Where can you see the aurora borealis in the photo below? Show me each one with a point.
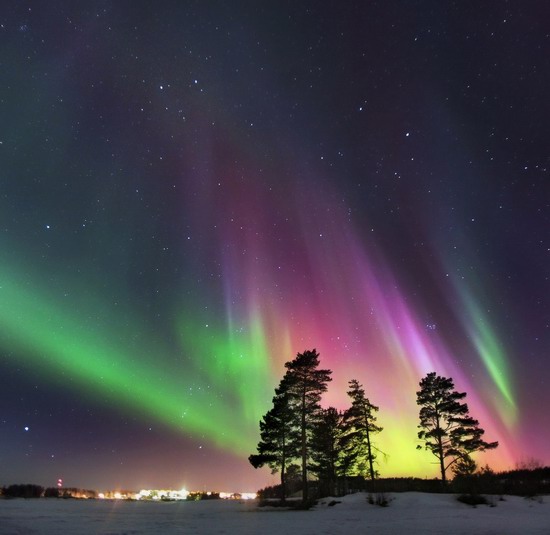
(193, 192)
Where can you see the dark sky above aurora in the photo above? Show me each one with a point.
(192, 192)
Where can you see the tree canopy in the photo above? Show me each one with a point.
(287, 429)
(278, 444)
(360, 424)
(306, 384)
(446, 427)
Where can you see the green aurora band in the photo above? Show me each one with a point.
(48, 338)
(228, 356)
(493, 356)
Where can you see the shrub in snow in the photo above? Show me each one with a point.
(380, 498)
(474, 500)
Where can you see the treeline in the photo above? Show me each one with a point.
(522, 482)
(331, 452)
(29, 490)
(26, 490)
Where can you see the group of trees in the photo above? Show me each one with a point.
(26, 490)
(298, 436)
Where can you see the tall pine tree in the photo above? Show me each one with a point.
(327, 453)
(360, 425)
(278, 444)
(446, 427)
(306, 385)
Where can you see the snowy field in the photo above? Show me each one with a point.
(408, 513)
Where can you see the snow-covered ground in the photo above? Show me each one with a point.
(409, 513)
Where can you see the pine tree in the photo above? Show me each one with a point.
(278, 436)
(348, 461)
(306, 385)
(446, 427)
(360, 425)
(327, 452)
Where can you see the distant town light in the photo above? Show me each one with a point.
(173, 495)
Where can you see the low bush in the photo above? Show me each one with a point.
(380, 498)
(473, 499)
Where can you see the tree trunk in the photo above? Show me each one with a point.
(369, 450)
(442, 462)
(304, 448)
(371, 465)
(283, 480)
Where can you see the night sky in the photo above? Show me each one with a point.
(192, 192)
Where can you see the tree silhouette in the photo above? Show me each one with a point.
(360, 426)
(306, 384)
(327, 452)
(278, 436)
(446, 427)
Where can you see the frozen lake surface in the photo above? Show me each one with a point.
(408, 513)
